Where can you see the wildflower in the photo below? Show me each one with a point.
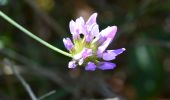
(90, 50)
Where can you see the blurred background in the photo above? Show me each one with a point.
(142, 72)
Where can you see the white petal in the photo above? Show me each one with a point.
(109, 32)
(72, 26)
(92, 19)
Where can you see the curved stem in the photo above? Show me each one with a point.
(4, 16)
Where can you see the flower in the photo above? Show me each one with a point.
(90, 50)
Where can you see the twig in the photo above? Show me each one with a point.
(21, 79)
(103, 99)
(47, 95)
(57, 77)
(30, 34)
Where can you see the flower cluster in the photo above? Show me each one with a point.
(89, 44)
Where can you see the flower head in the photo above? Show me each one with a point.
(90, 50)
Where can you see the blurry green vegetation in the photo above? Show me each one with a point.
(3, 2)
(142, 73)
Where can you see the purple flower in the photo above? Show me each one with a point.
(90, 50)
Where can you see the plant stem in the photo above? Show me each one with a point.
(4, 16)
(21, 79)
(47, 95)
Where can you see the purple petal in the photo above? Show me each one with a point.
(99, 40)
(80, 25)
(119, 51)
(68, 43)
(89, 38)
(86, 52)
(89, 28)
(72, 64)
(111, 54)
(90, 66)
(91, 32)
(77, 27)
(83, 54)
(109, 32)
(74, 29)
(103, 47)
(106, 65)
(92, 19)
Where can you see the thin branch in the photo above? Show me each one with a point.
(30, 34)
(57, 77)
(21, 79)
(47, 95)
(103, 99)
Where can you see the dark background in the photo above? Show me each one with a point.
(142, 72)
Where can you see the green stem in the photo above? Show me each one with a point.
(4, 16)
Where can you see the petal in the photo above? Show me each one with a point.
(106, 65)
(81, 61)
(92, 19)
(99, 40)
(109, 32)
(103, 47)
(91, 31)
(95, 30)
(77, 27)
(86, 52)
(119, 51)
(68, 43)
(89, 38)
(77, 56)
(80, 25)
(80, 21)
(83, 54)
(72, 26)
(72, 64)
(111, 54)
(89, 28)
(90, 66)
